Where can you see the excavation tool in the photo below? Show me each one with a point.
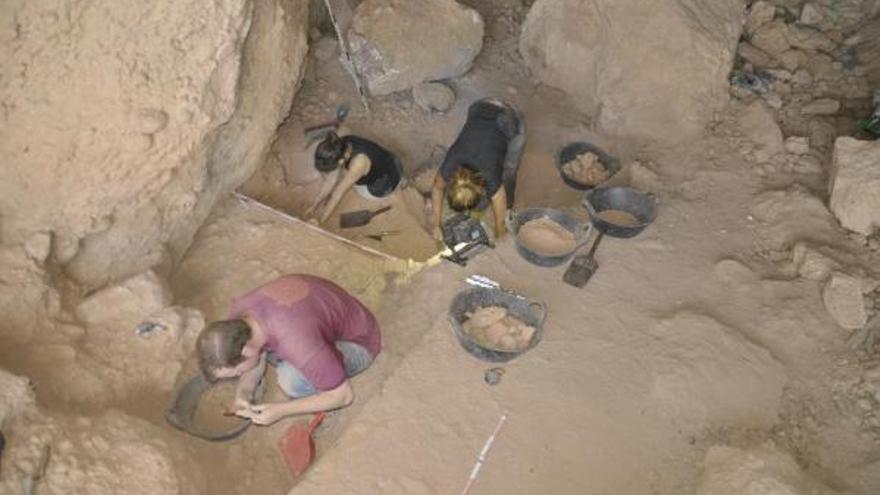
(359, 218)
(316, 131)
(297, 445)
(481, 459)
(641, 206)
(381, 235)
(465, 237)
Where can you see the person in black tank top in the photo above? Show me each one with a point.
(480, 166)
(363, 165)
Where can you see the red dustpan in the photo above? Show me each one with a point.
(297, 445)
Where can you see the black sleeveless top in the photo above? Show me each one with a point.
(385, 170)
(482, 145)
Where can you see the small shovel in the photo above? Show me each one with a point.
(583, 266)
(298, 447)
(359, 218)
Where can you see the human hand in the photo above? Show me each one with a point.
(262, 414)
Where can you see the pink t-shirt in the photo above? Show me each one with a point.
(302, 317)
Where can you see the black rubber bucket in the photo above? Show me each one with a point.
(521, 307)
(642, 206)
(181, 414)
(579, 230)
(571, 151)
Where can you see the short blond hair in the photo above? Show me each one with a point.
(466, 189)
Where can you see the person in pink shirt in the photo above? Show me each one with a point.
(314, 332)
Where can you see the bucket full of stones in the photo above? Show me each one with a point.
(583, 165)
(496, 325)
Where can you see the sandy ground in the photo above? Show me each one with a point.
(691, 335)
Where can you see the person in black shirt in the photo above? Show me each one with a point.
(371, 170)
(480, 166)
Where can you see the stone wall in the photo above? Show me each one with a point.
(125, 121)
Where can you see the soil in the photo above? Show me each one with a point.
(215, 402)
(586, 169)
(618, 217)
(546, 237)
(493, 328)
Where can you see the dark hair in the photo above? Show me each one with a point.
(328, 152)
(466, 189)
(220, 345)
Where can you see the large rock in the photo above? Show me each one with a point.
(618, 61)
(844, 301)
(398, 44)
(761, 470)
(758, 124)
(855, 184)
(130, 301)
(124, 137)
(16, 397)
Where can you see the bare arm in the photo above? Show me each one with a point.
(268, 413)
(437, 190)
(248, 382)
(329, 181)
(359, 167)
(499, 211)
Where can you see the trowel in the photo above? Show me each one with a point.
(297, 445)
(315, 132)
(359, 218)
(583, 266)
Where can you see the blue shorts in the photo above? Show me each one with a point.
(356, 358)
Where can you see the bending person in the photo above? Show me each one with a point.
(316, 334)
(484, 157)
(371, 170)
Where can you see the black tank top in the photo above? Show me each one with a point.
(482, 145)
(385, 170)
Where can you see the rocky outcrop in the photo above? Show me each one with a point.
(398, 44)
(761, 470)
(855, 184)
(618, 61)
(118, 141)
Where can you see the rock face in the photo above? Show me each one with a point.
(433, 97)
(758, 124)
(616, 60)
(844, 301)
(398, 44)
(112, 453)
(855, 184)
(16, 396)
(136, 297)
(124, 138)
(762, 470)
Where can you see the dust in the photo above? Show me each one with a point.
(546, 237)
(586, 169)
(618, 217)
(495, 328)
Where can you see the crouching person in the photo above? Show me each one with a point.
(312, 330)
